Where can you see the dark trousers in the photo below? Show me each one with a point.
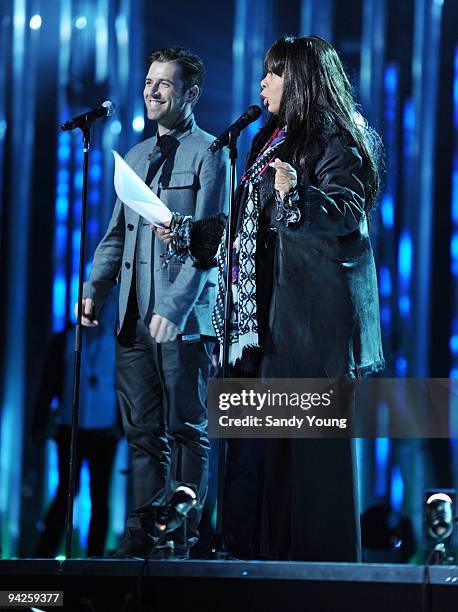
(162, 392)
(98, 447)
(310, 508)
(241, 497)
(310, 504)
(303, 505)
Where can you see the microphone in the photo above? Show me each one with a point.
(105, 110)
(248, 117)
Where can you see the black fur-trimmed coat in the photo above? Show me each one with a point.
(324, 311)
(322, 302)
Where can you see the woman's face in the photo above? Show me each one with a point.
(272, 91)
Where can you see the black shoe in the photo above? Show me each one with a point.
(134, 544)
(168, 551)
(137, 545)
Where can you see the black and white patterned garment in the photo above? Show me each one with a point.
(243, 327)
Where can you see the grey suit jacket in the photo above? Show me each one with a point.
(191, 181)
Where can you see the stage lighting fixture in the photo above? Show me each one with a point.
(158, 521)
(439, 516)
(175, 512)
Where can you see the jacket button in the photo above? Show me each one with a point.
(130, 227)
(127, 264)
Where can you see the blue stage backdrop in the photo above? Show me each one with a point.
(60, 57)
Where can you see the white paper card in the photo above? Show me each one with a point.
(136, 194)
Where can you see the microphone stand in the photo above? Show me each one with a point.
(218, 546)
(86, 129)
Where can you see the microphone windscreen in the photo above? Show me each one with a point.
(254, 112)
(109, 105)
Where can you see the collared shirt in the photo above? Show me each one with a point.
(180, 130)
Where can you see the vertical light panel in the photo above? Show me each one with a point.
(374, 455)
(317, 18)
(453, 405)
(122, 45)
(61, 215)
(117, 502)
(63, 178)
(25, 44)
(101, 41)
(75, 217)
(372, 59)
(454, 227)
(239, 50)
(252, 38)
(4, 66)
(136, 71)
(135, 104)
(425, 69)
(405, 254)
(61, 219)
(83, 504)
(382, 452)
(382, 455)
(397, 488)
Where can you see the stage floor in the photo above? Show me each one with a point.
(131, 585)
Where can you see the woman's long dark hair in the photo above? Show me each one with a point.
(317, 98)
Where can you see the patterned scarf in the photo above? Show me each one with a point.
(243, 326)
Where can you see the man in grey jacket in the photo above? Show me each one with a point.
(164, 328)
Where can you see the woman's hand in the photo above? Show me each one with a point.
(163, 233)
(285, 177)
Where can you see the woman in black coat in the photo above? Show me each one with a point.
(304, 285)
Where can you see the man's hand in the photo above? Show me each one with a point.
(88, 313)
(285, 177)
(163, 330)
(163, 233)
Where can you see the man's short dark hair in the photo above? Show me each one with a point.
(192, 67)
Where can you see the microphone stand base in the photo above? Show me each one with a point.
(218, 550)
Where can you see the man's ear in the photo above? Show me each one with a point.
(192, 95)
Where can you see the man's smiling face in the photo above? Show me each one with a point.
(164, 94)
